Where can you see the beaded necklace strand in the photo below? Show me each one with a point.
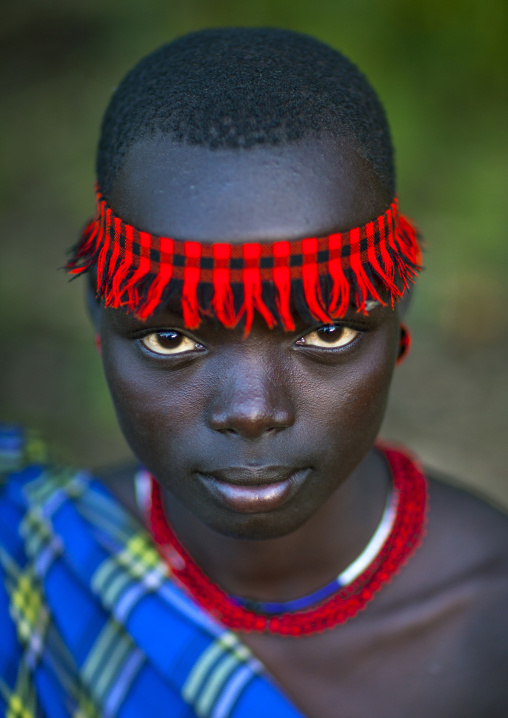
(343, 579)
(398, 535)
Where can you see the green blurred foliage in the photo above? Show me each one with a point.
(439, 67)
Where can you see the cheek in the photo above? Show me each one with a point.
(347, 403)
(154, 409)
(369, 388)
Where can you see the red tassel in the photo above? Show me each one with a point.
(131, 287)
(408, 238)
(340, 286)
(120, 279)
(310, 279)
(91, 238)
(396, 240)
(252, 289)
(391, 229)
(85, 250)
(388, 264)
(191, 276)
(101, 261)
(376, 267)
(223, 303)
(364, 287)
(161, 281)
(392, 255)
(393, 241)
(112, 262)
(282, 282)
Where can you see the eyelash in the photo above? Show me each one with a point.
(357, 332)
(141, 340)
(199, 347)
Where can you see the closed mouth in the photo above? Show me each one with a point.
(254, 490)
(251, 476)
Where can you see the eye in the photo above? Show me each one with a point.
(169, 343)
(331, 336)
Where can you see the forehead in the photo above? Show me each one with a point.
(310, 188)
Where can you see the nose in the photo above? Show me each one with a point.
(252, 402)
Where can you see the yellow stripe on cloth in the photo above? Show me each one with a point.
(21, 702)
(134, 563)
(206, 681)
(16, 709)
(108, 654)
(30, 613)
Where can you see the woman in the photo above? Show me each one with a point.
(249, 273)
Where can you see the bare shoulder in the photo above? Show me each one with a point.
(452, 598)
(465, 547)
(467, 531)
(458, 582)
(465, 550)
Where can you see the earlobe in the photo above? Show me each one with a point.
(404, 343)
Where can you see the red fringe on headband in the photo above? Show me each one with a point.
(139, 271)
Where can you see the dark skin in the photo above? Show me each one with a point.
(210, 412)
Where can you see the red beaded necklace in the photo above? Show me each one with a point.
(404, 538)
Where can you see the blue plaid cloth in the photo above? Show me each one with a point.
(91, 624)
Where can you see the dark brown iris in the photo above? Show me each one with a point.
(169, 339)
(330, 333)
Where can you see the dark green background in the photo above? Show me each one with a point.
(439, 66)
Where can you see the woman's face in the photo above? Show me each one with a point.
(252, 434)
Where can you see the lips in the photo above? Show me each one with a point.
(254, 490)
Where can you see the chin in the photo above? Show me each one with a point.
(255, 527)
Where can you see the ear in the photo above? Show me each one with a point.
(404, 333)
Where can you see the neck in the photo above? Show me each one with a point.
(302, 561)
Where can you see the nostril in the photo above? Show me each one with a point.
(248, 429)
(251, 414)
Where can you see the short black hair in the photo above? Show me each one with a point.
(242, 87)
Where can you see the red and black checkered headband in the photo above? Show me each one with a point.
(322, 276)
